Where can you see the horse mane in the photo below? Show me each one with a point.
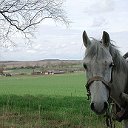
(119, 61)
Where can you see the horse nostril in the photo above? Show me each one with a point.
(105, 105)
(92, 106)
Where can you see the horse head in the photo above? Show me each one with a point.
(98, 64)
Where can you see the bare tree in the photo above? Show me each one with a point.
(22, 16)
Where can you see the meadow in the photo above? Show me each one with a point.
(50, 101)
(62, 85)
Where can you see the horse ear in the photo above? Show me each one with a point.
(105, 39)
(86, 40)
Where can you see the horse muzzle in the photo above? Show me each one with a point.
(99, 108)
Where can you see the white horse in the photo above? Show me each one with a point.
(107, 76)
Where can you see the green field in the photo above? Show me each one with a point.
(51, 101)
(54, 85)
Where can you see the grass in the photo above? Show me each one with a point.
(50, 112)
(64, 85)
(55, 101)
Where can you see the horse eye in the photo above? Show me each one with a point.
(85, 66)
(111, 65)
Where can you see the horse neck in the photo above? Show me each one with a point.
(119, 82)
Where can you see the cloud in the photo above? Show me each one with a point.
(120, 39)
(99, 22)
(51, 42)
(31, 51)
(99, 6)
(97, 11)
(55, 41)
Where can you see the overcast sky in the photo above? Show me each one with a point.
(56, 41)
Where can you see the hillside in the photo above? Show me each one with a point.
(12, 64)
(49, 66)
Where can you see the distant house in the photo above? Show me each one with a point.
(59, 72)
(37, 73)
(51, 72)
(7, 74)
